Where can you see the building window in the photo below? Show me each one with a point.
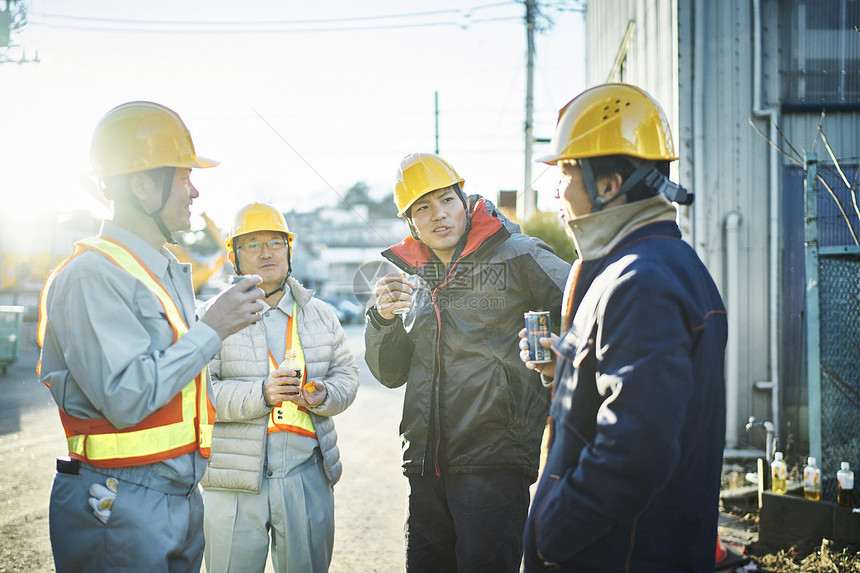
(820, 53)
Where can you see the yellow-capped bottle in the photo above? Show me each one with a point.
(811, 480)
(778, 474)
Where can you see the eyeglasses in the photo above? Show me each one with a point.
(255, 246)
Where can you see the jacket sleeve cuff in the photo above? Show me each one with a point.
(205, 338)
(547, 382)
(377, 320)
(263, 392)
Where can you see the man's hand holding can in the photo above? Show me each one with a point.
(536, 341)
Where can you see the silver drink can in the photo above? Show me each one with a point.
(538, 326)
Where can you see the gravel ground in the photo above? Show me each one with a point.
(369, 500)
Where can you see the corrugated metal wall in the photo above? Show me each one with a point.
(697, 58)
(732, 158)
(652, 57)
(841, 128)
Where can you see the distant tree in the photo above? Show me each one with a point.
(548, 228)
(385, 207)
(358, 194)
(13, 17)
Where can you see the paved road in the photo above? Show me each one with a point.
(369, 500)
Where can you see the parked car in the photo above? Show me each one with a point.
(347, 311)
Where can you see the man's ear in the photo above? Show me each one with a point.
(141, 185)
(609, 186)
(231, 255)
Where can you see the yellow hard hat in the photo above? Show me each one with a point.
(419, 174)
(258, 217)
(611, 119)
(141, 135)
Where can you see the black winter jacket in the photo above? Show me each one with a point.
(471, 405)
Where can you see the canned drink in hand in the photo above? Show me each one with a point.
(537, 327)
(239, 278)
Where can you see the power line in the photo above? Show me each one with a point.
(273, 31)
(125, 25)
(466, 12)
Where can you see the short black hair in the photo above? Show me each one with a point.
(608, 164)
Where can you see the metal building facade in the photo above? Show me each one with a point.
(718, 69)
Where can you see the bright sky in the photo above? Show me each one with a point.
(348, 87)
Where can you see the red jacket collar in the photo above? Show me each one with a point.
(416, 254)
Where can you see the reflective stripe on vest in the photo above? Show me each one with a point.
(287, 416)
(181, 426)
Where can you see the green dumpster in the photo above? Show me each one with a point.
(11, 322)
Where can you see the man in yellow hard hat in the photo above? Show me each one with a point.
(275, 460)
(632, 478)
(473, 415)
(125, 360)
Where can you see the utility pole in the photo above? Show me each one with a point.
(527, 207)
(436, 99)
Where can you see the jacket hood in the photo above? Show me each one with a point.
(486, 222)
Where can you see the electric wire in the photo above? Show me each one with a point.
(318, 174)
(125, 25)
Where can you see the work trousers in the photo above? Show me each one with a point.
(296, 511)
(466, 523)
(147, 531)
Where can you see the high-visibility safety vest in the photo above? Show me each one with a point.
(179, 427)
(287, 416)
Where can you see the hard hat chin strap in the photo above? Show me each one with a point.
(656, 182)
(597, 201)
(289, 271)
(163, 228)
(166, 187)
(646, 172)
(279, 289)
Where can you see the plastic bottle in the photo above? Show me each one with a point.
(845, 491)
(811, 480)
(779, 474)
(291, 362)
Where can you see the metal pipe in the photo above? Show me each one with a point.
(769, 440)
(772, 114)
(813, 342)
(698, 100)
(732, 225)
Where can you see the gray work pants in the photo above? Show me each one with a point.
(148, 531)
(295, 511)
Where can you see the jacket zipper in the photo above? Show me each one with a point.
(437, 421)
